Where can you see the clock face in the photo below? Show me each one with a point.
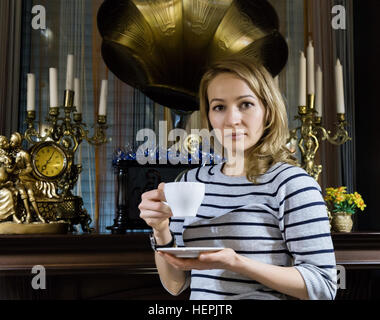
(49, 161)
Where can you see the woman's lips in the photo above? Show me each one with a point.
(236, 136)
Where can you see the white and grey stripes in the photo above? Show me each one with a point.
(282, 221)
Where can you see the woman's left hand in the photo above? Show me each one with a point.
(223, 259)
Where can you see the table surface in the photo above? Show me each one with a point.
(131, 253)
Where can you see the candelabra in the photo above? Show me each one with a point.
(61, 127)
(312, 132)
(52, 158)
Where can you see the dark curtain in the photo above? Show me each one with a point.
(367, 70)
(338, 161)
(10, 35)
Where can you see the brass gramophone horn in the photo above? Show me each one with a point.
(162, 47)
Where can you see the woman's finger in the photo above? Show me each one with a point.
(154, 206)
(149, 214)
(179, 263)
(156, 194)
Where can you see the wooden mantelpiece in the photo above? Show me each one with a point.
(132, 252)
(104, 266)
(357, 250)
(97, 266)
(76, 253)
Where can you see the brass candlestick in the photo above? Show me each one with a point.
(311, 132)
(65, 127)
(60, 140)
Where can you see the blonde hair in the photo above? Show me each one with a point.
(271, 148)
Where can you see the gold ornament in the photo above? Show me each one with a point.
(36, 184)
(312, 132)
(49, 160)
(342, 222)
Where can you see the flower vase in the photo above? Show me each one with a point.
(342, 222)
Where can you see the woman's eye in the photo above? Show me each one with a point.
(247, 105)
(217, 108)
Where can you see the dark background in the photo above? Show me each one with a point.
(367, 115)
(367, 110)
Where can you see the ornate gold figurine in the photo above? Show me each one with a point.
(311, 132)
(36, 184)
(8, 191)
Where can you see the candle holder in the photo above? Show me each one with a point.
(64, 132)
(70, 126)
(312, 132)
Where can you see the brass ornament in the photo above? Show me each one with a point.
(29, 197)
(311, 132)
(17, 183)
(49, 160)
(162, 47)
(342, 222)
(36, 184)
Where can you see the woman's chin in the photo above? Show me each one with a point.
(237, 151)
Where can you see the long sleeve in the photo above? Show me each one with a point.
(305, 228)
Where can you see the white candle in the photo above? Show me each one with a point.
(310, 69)
(53, 86)
(339, 88)
(70, 72)
(77, 96)
(103, 98)
(31, 93)
(319, 92)
(302, 80)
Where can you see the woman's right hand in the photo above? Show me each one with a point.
(155, 213)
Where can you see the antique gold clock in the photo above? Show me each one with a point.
(49, 160)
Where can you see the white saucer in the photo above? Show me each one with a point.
(189, 252)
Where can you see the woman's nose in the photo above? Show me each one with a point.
(233, 117)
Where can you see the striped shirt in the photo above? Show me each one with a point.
(281, 220)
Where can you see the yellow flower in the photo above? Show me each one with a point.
(341, 199)
(342, 189)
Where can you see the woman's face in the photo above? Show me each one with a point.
(236, 112)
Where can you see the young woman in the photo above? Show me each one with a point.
(269, 214)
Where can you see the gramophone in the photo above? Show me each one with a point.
(162, 47)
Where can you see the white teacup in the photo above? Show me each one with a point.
(184, 198)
